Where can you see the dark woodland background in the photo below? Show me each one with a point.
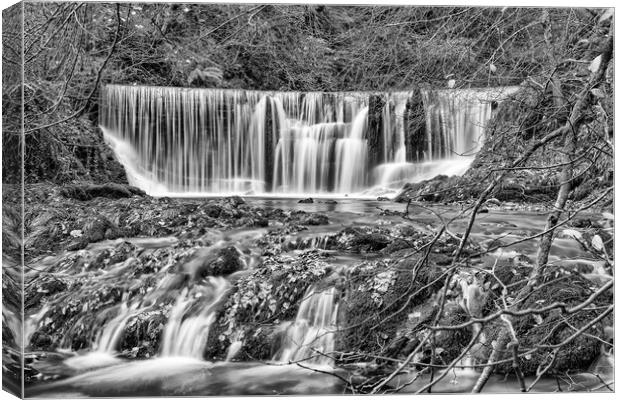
(71, 49)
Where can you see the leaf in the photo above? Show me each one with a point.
(597, 243)
(492, 68)
(598, 93)
(451, 83)
(595, 64)
(572, 233)
(76, 233)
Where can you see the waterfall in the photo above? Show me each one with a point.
(113, 331)
(191, 317)
(455, 128)
(311, 337)
(196, 142)
(456, 119)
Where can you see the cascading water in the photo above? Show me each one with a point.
(310, 339)
(454, 133)
(180, 141)
(113, 330)
(191, 317)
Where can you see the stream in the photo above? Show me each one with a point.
(180, 370)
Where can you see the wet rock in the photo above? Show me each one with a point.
(234, 201)
(261, 222)
(41, 341)
(261, 343)
(330, 202)
(552, 327)
(119, 253)
(212, 210)
(374, 290)
(359, 239)
(309, 200)
(98, 228)
(43, 286)
(314, 219)
(213, 262)
(453, 341)
(143, 334)
(371, 242)
(398, 244)
(382, 198)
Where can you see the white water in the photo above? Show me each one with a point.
(310, 339)
(104, 349)
(197, 142)
(456, 120)
(113, 330)
(191, 317)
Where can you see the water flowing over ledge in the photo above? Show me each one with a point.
(201, 142)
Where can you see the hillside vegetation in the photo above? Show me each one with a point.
(71, 49)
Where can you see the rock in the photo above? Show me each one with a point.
(315, 219)
(98, 228)
(398, 244)
(483, 210)
(559, 286)
(309, 200)
(371, 242)
(235, 201)
(330, 202)
(40, 341)
(142, 335)
(212, 210)
(45, 286)
(260, 222)
(453, 341)
(213, 262)
(382, 198)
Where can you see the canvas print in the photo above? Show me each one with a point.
(301, 199)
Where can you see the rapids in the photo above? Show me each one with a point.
(298, 364)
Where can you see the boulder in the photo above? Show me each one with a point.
(371, 242)
(314, 219)
(41, 341)
(234, 201)
(213, 262)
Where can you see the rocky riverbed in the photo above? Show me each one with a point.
(103, 257)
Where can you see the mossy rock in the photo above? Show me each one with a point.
(375, 291)
(143, 333)
(315, 219)
(552, 327)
